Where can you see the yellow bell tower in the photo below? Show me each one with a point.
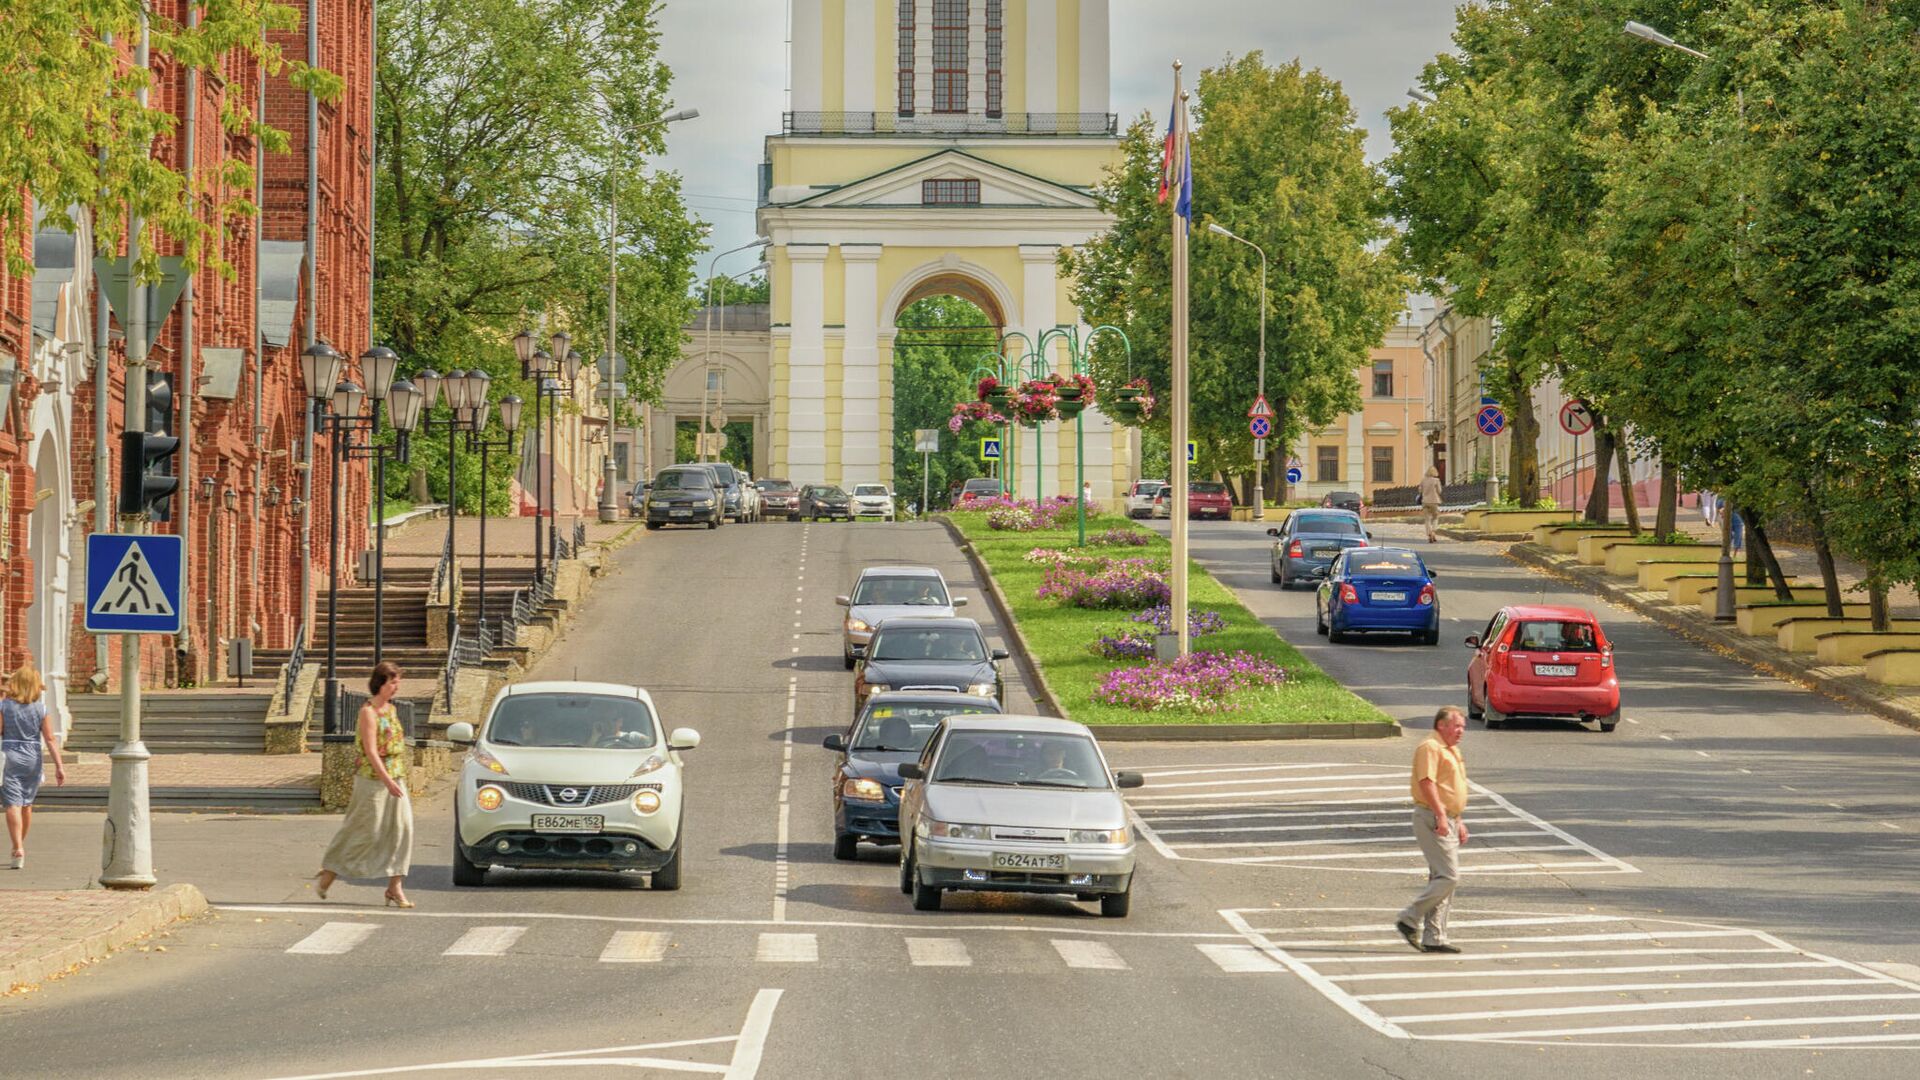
(933, 147)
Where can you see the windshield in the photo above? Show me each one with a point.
(928, 591)
(1147, 487)
(983, 485)
(1024, 759)
(1393, 563)
(870, 489)
(573, 721)
(1327, 524)
(725, 473)
(685, 480)
(773, 485)
(928, 643)
(828, 493)
(906, 726)
(1554, 636)
(1208, 488)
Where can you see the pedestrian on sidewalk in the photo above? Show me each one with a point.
(1439, 798)
(376, 838)
(24, 726)
(1430, 496)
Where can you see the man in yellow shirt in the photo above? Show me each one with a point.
(1439, 799)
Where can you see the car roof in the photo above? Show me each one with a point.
(930, 622)
(1050, 725)
(575, 686)
(1550, 611)
(901, 571)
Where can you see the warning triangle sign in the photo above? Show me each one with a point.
(133, 589)
(1260, 408)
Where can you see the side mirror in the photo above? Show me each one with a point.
(1129, 780)
(859, 652)
(843, 601)
(912, 771)
(1473, 641)
(1000, 654)
(959, 601)
(683, 738)
(835, 742)
(1366, 533)
(1432, 573)
(461, 732)
(1273, 532)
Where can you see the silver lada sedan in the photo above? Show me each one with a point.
(1015, 804)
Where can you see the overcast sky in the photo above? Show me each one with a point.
(729, 61)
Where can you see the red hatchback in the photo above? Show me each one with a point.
(1536, 660)
(1207, 499)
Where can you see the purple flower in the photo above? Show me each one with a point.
(1107, 583)
(1204, 682)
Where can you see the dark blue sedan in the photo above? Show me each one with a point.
(893, 729)
(1373, 588)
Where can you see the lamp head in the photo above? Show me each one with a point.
(320, 368)
(559, 342)
(510, 413)
(573, 364)
(405, 400)
(428, 382)
(377, 366)
(523, 347)
(346, 400)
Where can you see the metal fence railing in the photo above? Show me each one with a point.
(295, 661)
(351, 700)
(833, 122)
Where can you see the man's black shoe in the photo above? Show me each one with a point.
(1440, 948)
(1410, 932)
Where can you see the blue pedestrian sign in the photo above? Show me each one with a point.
(990, 449)
(1492, 420)
(1192, 455)
(1295, 474)
(133, 584)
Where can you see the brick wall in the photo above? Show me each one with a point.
(16, 471)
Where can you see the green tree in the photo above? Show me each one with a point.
(754, 290)
(1278, 160)
(941, 340)
(74, 137)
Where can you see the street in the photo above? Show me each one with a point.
(1731, 868)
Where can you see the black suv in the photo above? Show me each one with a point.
(685, 495)
(825, 501)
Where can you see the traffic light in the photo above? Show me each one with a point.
(143, 483)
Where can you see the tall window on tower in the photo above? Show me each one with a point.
(905, 39)
(950, 56)
(993, 58)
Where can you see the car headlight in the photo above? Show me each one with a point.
(1099, 836)
(654, 761)
(866, 790)
(704, 503)
(981, 689)
(487, 761)
(646, 800)
(489, 798)
(858, 626)
(950, 831)
(876, 688)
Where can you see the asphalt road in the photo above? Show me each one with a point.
(1649, 861)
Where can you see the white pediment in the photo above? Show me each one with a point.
(1000, 186)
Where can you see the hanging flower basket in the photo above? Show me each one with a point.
(973, 412)
(1133, 403)
(1035, 402)
(1069, 407)
(1073, 387)
(987, 387)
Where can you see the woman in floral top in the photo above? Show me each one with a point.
(376, 838)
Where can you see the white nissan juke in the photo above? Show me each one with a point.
(570, 776)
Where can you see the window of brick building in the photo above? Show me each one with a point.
(905, 57)
(949, 56)
(1383, 464)
(1326, 464)
(1383, 378)
(950, 192)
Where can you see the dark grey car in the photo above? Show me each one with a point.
(684, 495)
(1308, 543)
(928, 653)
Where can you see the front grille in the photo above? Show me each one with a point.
(935, 686)
(584, 794)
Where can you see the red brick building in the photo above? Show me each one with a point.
(17, 387)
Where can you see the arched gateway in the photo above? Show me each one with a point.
(935, 147)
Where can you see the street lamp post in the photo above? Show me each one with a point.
(1260, 381)
(1003, 467)
(461, 390)
(477, 440)
(1080, 362)
(559, 379)
(533, 363)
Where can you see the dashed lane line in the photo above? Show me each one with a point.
(334, 938)
(485, 941)
(635, 947)
(938, 952)
(1091, 955)
(788, 949)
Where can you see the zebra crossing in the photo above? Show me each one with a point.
(1591, 979)
(1339, 816)
(1062, 950)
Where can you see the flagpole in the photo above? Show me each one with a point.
(1178, 339)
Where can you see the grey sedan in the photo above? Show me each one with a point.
(1015, 804)
(887, 592)
(1308, 543)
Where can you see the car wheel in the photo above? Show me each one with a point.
(906, 868)
(925, 897)
(1277, 579)
(846, 847)
(714, 524)
(1473, 710)
(1319, 618)
(653, 525)
(1116, 905)
(1610, 721)
(847, 658)
(1490, 716)
(667, 878)
(465, 874)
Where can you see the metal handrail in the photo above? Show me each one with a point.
(442, 569)
(451, 671)
(296, 660)
(579, 535)
(835, 122)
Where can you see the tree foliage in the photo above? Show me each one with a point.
(933, 363)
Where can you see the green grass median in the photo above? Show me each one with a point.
(1058, 636)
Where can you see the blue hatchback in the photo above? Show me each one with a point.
(1373, 588)
(893, 729)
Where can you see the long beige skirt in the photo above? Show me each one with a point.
(376, 839)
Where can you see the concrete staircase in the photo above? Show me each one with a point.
(404, 641)
(502, 584)
(175, 722)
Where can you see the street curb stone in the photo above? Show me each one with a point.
(159, 909)
(1029, 667)
(1757, 653)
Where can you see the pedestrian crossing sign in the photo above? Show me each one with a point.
(134, 584)
(990, 449)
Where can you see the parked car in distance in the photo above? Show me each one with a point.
(1344, 500)
(979, 487)
(893, 730)
(684, 495)
(1209, 499)
(637, 499)
(1138, 502)
(728, 481)
(1162, 505)
(1376, 588)
(749, 497)
(872, 500)
(824, 501)
(927, 653)
(570, 776)
(1543, 661)
(1015, 804)
(779, 498)
(1306, 545)
(889, 592)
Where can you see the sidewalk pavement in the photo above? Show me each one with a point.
(47, 933)
(204, 771)
(507, 537)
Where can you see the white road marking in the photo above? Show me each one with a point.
(1836, 806)
(635, 947)
(788, 949)
(1891, 825)
(1631, 720)
(1722, 1025)
(938, 952)
(1904, 972)
(1240, 959)
(485, 941)
(781, 835)
(1703, 753)
(1612, 988)
(1282, 780)
(334, 938)
(1829, 1040)
(1636, 969)
(752, 1043)
(1096, 955)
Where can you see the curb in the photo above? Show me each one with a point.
(1023, 653)
(162, 908)
(1756, 653)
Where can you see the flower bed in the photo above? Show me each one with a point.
(1130, 644)
(1115, 583)
(1119, 537)
(1202, 682)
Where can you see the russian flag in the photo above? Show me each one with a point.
(1176, 168)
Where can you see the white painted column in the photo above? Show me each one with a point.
(922, 61)
(807, 55)
(1043, 61)
(1357, 452)
(1095, 80)
(860, 54)
(806, 418)
(861, 446)
(977, 58)
(1038, 306)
